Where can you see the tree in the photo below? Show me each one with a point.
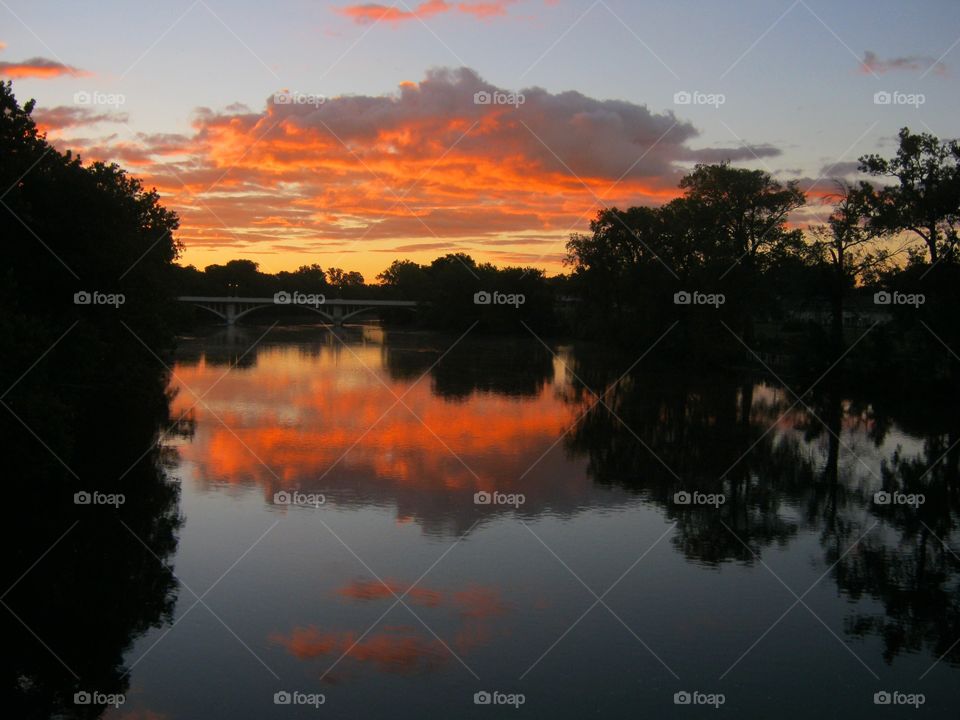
(398, 271)
(742, 219)
(730, 222)
(925, 198)
(622, 266)
(341, 279)
(745, 210)
(407, 278)
(68, 229)
(845, 247)
(70, 234)
(311, 277)
(237, 277)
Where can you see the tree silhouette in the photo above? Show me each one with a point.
(846, 247)
(925, 199)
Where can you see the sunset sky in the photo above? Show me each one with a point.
(383, 151)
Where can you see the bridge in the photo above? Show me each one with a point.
(334, 310)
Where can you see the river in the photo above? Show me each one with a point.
(396, 524)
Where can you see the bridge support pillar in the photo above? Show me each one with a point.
(230, 312)
(338, 315)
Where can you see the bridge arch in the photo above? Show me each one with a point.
(249, 310)
(335, 311)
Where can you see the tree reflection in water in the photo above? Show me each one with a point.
(77, 605)
(785, 466)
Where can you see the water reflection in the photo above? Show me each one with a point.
(407, 649)
(384, 424)
(658, 435)
(400, 421)
(514, 367)
(86, 581)
(911, 567)
(399, 432)
(784, 464)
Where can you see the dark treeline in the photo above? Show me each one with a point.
(768, 288)
(83, 401)
(69, 229)
(447, 288)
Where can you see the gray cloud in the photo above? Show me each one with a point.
(912, 63)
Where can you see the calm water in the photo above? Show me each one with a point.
(583, 586)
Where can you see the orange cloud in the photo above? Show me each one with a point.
(440, 161)
(39, 68)
(485, 9)
(65, 116)
(375, 12)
